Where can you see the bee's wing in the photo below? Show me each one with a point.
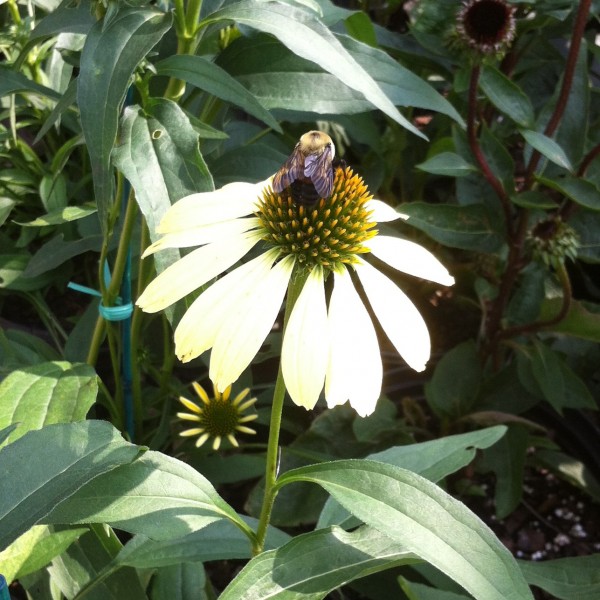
(291, 170)
(320, 170)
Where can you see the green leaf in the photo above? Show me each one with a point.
(5, 432)
(574, 127)
(83, 570)
(68, 17)
(587, 224)
(507, 96)
(524, 305)
(447, 163)
(14, 275)
(288, 82)
(570, 469)
(110, 55)
(159, 155)
(545, 373)
(573, 578)
(58, 251)
(157, 496)
(360, 27)
(12, 82)
(533, 199)
(220, 540)
(302, 32)
(420, 591)
(62, 215)
(579, 190)
(247, 163)
(67, 100)
(210, 78)
(466, 227)
(507, 460)
(315, 563)
(53, 191)
(180, 582)
(433, 460)
(53, 392)
(73, 454)
(449, 396)
(499, 159)
(548, 148)
(582, 320)
(35, 549)
(6, 206)
(545, 368)
(425, 520)
(21, 349)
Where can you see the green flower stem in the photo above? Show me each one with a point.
(297, 281)
(136, 328)
(187, 40)
(14, 12)
(111, 292)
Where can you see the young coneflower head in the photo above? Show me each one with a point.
(553, 241)
(218, 416)
(329, 344)
(486, 26)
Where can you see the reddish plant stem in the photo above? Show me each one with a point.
(515, 239)
(493, 328)
(514, 264)
(565, 90)
(476, 148)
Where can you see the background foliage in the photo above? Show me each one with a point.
(110, 112)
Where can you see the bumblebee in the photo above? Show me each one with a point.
(308, 172)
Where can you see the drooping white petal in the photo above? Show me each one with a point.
(200, 325)
(305, 349)
(248, 323)
(382, 212)
(198, 236)
(355, 371)
(232, 201)
(194, 270)
(410, 258)
(398, 316)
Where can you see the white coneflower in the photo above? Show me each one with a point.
(331, 346)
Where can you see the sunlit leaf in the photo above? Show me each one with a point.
(425, 520)
(433, 460)
(157, 496)
(303, 33)
(447, 163)
(53, 392)
(315, 563)
(73, 454)
(210, 78)
(111, 53)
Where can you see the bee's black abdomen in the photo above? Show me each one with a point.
(304, 193)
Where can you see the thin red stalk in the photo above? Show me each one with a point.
(476, 148)
(565, 90)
